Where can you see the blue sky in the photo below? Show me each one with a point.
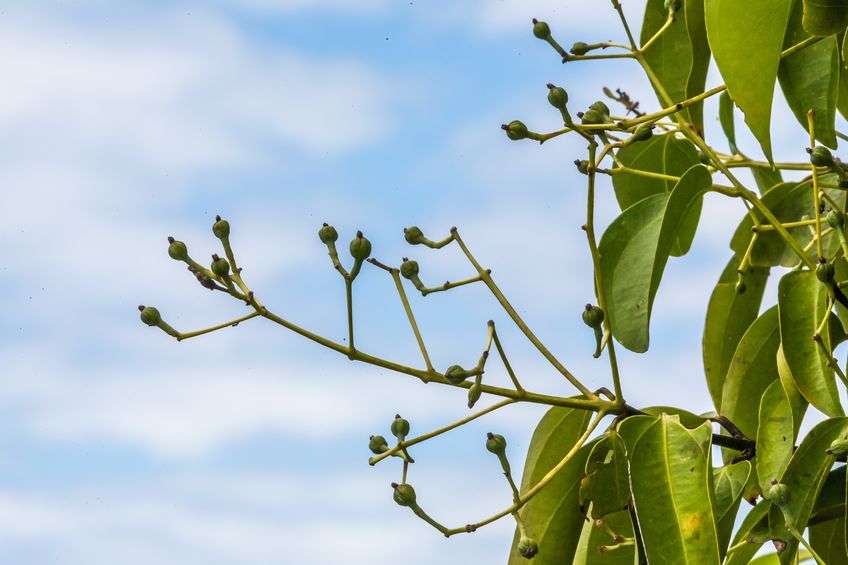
(127, 122)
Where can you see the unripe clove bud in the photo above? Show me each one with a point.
(400, 427)
(838, 448)
(821, 156)
(474, 393)
(177, 250)
(580, 48)
(557, 96)
(593, 316)
(360, 247)
(408, 268)
(404, 494)
(413, 235)
(582, 166)
(221, 228)
(541, 29)
(835, 219)
(778, 493)
(328, 234)
(149, 315)
(220, 266)
(496, 443)
(703, 158)
(515, 130)
(456, 374)
(377, 444)
(825, 272)
(527, 547)
(643, 132)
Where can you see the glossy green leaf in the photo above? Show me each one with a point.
(729, 314)
(607, 484)
(752, 531)
(729, 483)
(775, 435)
(810, 78)
(688, 419)
(728, 123)
(825, 17)
(679, 58)
(553, 516)
(842, 97)
(802, 300)
(752, 369)
(746, 40)
(664, 154)
(635, 249)
(595, 546)
(796, 401)
(766, 179)
(671, 479)
(828, 523)
(806, 474)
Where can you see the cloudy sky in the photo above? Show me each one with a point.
(124, 123)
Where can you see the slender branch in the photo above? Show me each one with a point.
(231, 324)
(505, 361)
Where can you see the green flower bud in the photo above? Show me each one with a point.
(495, 443)
(838, 448)
(825, 17)
(328, 234)
(593, 316)
(582, 166)
(474, 393)
(643, 132)
(377, 444)
(835, 219)
(703, 158)
(825, 272)
(408, 268)
(515, 130)
(821, 156)
(404, 494)
(220, 266)
(557, 96)
(580, 48)
(413, 235)
(149, 315)
(221, 228)
(456, 374)
(541, 29)
(600, 107)
(177, 250)
(527, 547)
(400, 427)
(591, 116)
(360, 247)
(778, 493)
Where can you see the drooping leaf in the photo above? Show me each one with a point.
(775, 435)
(728, 124)
(671, 479)
(595, 541)
(805, 476)
(729, 483)
(753, 531)
(680, 56)
(752, 369)
(802, 302)
(729, 314)
(553, 516)
(746, 39)
(664, 154)
(635, 249)
(828, 523)
(810, 78)
(793, 395)
(607, 484)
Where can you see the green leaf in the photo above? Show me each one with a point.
(679, 58)
(766, 179)
(664, 154)
(671, 479)
(606, 484)
(774, 559)
(828, 523)
(842, 97)
(746, 39)
(752, 370)
(810, 78)
(796, 401)
(802, 300)
(775, 435)
(553, 516)
(593, 548)
(729, 484)
(728, 124)
(729, 314)
(806, 474)
(753, 530)
(688, 419)
(635, 249)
